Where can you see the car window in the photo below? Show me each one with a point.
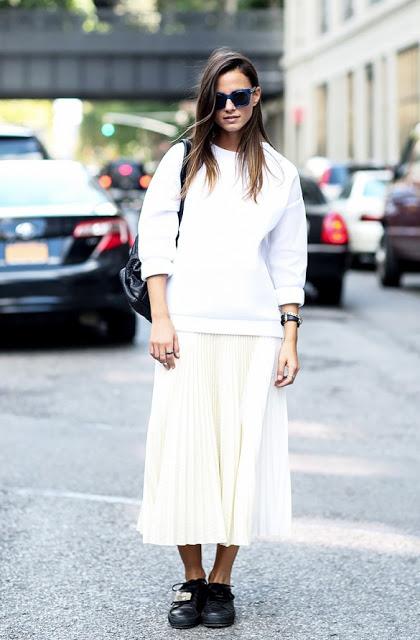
(338, 174)
(312, 194)
(346, 192)
(374, 188)
(16, 147)
(20, 188)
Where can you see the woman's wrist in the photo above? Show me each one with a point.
(290, 338)
(290, 324)
(161, 314)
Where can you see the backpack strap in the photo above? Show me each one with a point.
(187, 148)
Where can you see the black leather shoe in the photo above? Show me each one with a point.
(188, 603)
(219, 610)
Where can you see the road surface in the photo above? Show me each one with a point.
(72, 435)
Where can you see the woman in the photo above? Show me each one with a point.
(216, 467)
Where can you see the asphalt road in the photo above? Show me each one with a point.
(72, 435)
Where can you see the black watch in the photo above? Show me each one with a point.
(287, 315)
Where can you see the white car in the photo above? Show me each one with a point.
(361, 203)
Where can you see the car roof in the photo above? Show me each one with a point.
(377, 174)
(120, 161)
(360, 177)
(15, 131)
(41, 167)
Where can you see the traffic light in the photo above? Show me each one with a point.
(107, 129)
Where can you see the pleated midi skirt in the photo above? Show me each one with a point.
(216, 462)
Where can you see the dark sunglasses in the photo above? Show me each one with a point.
(240, 98)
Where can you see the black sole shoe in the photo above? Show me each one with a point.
(219, 610)
(187, 605)
(219, 625)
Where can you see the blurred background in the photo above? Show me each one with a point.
(111, 84)
(92, 94)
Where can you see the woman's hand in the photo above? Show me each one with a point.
(163, 339)
(287, 358)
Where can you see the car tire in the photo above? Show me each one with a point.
(387, 265)
(330, 291)
(121, 327)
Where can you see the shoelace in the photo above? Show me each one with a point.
(217, 595)
(183, 584)
(184, 587)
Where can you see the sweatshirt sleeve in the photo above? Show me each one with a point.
(288, 249)
(158, 222)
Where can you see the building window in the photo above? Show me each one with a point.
(369, 109)
(408, 70)
(348, 9)
(324, 15)
(321, 97)
(350, 115)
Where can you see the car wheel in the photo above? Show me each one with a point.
(387, 266)
(330, 291)
(121, 327)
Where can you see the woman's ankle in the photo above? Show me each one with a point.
(194, 574)
(220, 577)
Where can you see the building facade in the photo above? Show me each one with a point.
(352, 78)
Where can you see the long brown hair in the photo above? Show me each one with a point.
(250, 151)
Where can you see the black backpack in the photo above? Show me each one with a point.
(134, 287)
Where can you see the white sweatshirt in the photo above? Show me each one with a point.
(236, 260)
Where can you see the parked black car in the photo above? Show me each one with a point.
(62, 245)
(19, 142)
(328, 254)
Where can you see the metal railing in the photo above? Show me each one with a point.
(169, 23)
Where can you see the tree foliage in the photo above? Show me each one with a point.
(40, 4)
(127, 141)
(162, 5)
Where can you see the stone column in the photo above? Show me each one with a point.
(359, 110)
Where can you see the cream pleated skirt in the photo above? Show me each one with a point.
(216, 464)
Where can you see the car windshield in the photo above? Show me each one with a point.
(375, 188)
(20, 186)
(312, 194)
(15, 147)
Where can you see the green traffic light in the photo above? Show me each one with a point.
(107, 129)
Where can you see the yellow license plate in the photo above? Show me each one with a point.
(26, 253)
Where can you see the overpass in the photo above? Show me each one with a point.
(57, 54)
